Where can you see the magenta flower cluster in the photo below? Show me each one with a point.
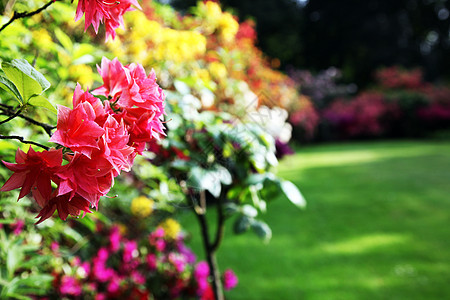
(159, 267)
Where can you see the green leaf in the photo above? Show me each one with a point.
(262, 230)
(242, 224)
(38, 260)
(9, 86)
(230, 208)
(224, 175)
(249, 211)
(293, 194)
(28, 80)
(13, 258)
(39, 280)
(64, 39)
(181, 165)
(41, 101)
(18, 296)
(7, 221)
(202, 179)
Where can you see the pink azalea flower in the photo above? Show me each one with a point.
(17, 227)
(160, 245)
(117, 11)
(99, 270)
(201, 274)
(157, 234)
(142, 90)
(151, 261)
(69, 286)
(108, 11)
(77, 129)
(129, 251)
(86, 267)
(137, 277)
(33, 170)
(114, 285)
(79, 96)
(139, 99)
(186, 252)
(177, 261)
(54, 246)
(114, 78)
(114, 239)
(114, 145)
(230, 280)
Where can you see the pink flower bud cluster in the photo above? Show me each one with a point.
(109, 12)
(104, 137)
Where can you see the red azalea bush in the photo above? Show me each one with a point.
(101, 138)
(361, 116)
(401, 104)
(397, 78)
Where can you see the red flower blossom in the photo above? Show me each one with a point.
(79, 96)
(33, 170)
(137, 96)
(65, 205)
(89, 178)
(114, 78)
(108, 11)
(76, 129)
(114, 146)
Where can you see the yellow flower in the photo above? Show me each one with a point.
(218, 70)
(171, 228)
(228, 27)
(150, 41)
(42, 38)
(82, 74)
(142, 206)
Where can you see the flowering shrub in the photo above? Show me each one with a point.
(210, 51)
(396, 78)
(362, 116)
(208, 63)
(103, 136)
(158, 266)
(402, 104)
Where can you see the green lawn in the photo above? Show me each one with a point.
(377, 226)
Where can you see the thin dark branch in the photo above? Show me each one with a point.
(22, 15)
(22, 140)
(220, 220)
(13, 115)
(47, 127)
(209, 251)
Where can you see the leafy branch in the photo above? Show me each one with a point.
(8, 110)
(13, 115)
(21, 15)
(22, 140)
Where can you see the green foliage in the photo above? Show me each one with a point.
(226, 157)
(25, 83)
(20, 253)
